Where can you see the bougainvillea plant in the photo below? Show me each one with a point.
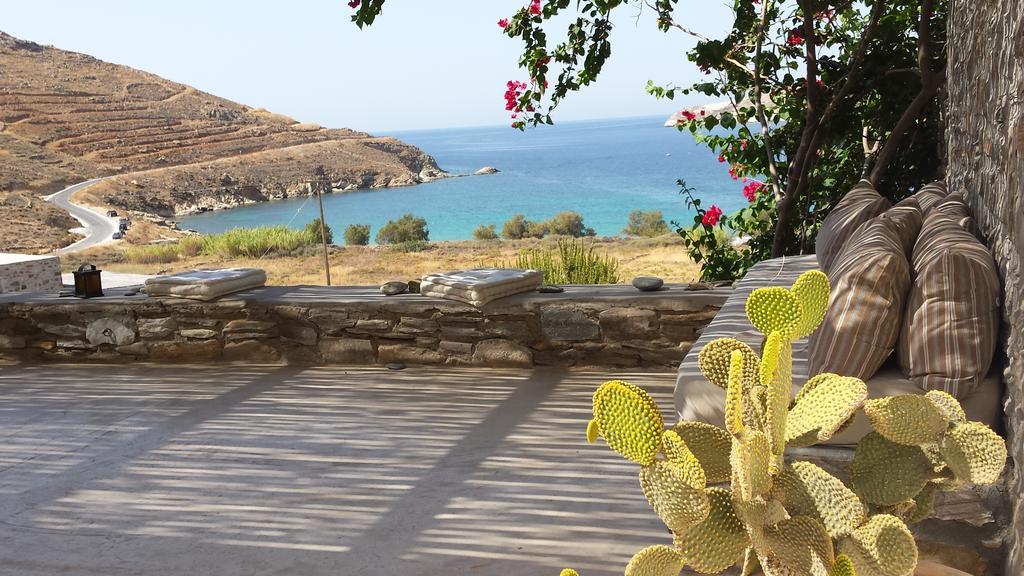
(819, 94)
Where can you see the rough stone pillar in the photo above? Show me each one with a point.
(985, 136)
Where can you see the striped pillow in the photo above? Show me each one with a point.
(869, 283)
(930, 194)
(859, 205)
(951, 325)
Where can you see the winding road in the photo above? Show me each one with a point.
(98, 227)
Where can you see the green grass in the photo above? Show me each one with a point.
(256, 242)
(235, 243)
(152, 254)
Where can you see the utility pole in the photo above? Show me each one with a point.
(320, 185)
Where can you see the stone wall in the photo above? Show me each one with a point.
(985, 137)
(25, 273)
(609, 326)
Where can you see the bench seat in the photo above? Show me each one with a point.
(697, 399)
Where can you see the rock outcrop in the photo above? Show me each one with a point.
(68, 117)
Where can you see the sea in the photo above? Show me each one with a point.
(603, 169)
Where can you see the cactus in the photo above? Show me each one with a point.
(784, 517)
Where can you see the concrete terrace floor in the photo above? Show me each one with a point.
(129, 470)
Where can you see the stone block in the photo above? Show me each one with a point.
(116, 331)
(251, 351)
(452, 347)
(517, 330)
(250, 329)
(302, 333)
(461, 333)
(368, 326)
(497, 352)
(346, 351)
(411, 325)
(42, 344)
(625, 323)
(197, 333)
(135, 349)
(156, 328)
(331, 323)
(567, 323)
(11, 342)
(185, 352)
(73, 344)
(65, 330)
(408, 354)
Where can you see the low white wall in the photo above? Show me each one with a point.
(27, 273)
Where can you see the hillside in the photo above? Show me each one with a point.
(66, 117)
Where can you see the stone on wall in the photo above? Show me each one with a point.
(251, 351)
(156, 328)
(497, 352)
(110, 331)
(347, 351)
(567, 323)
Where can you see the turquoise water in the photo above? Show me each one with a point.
(601, 169)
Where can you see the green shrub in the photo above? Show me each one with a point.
(515, 228)
(408, 228)
(411, 246)
(485, 232)
(313, 230)
(570, 261)
(567, 223)
(152, 253)
(646, 224)
(357, 234)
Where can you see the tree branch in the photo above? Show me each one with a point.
(796, 171)
(930, 82)
(773, 169)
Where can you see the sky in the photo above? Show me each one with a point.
(423, 64)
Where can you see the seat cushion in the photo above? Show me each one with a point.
(206, 284)
(697, 399)
(869, 283)
(859, 205)
(950, 329)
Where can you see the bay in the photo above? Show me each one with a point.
(602, 169)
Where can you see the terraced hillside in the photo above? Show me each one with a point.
(67, 117)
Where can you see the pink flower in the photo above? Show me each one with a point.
(687, 115)
(795, 38)
(503, 23)
(721, 157)
(514, 89)
(353, 3)
(535, 7)
(712, 216)
(743, 144)
(751, 190)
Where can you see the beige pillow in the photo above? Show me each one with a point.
(951, 324)
(859, 205)
(869, 284)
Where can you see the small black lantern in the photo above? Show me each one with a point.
(87, 282)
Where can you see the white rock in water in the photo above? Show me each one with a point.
(486, 170)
